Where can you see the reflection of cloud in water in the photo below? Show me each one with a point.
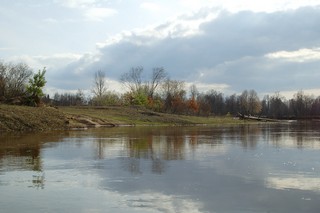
(204, 150)
(86, 182)
(156, 202)
(82, 189)
(298, 182)
(305, 142)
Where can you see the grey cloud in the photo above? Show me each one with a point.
(229, 50)
(75, 75)
(255, 34)
(265, 75)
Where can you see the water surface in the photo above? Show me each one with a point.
(255, 168)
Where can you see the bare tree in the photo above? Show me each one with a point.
(194, 91)
(13, 79)
(132, 79)
(2, 80)
(80, 97)
(173, 95)
(231, 104)
(216, 100)
(243, 100)
(254, 103)
(277, 106)
(301, 104)
(158, 75)
(192, 102)
(99, 84)
(17, 78)
(249, 102)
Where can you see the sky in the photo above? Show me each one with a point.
(226, 45)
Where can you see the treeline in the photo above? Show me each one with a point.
(162, 94)
(19, 85)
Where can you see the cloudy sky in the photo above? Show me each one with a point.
(226, 45)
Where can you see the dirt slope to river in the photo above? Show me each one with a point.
(23, 118)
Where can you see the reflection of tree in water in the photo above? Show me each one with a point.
(302, 133)
(158, 166)
(38, 180)
(160, 147)
(152, 148)
(23, 152)
(132, 165)
(139, 148)
(143, 148)
(249, 135)
(23, 157)
(149, 147)
(174, 148)
(100, 148)
(295, 134)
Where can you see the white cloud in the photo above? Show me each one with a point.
(301, 55)
(114, 85)
(183, 26)
(92, 10)
(151, 6)
(77, 3)
(98, 14)
(48, 61)
(50, 20)
(205, 87)
(6, 48)
(67, 56)
(187, 26)
(249, 5)
(291, 93)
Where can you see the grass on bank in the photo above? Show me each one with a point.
(141, 116)
(23, 118)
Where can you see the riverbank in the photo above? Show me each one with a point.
(23, 118)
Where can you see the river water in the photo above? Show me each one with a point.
(249, 168)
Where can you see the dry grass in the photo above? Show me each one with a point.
(140, 116)
(22, 118)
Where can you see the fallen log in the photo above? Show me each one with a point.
(255, 118)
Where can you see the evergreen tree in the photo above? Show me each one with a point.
(35, 87)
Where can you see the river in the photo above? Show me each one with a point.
(247, 168)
